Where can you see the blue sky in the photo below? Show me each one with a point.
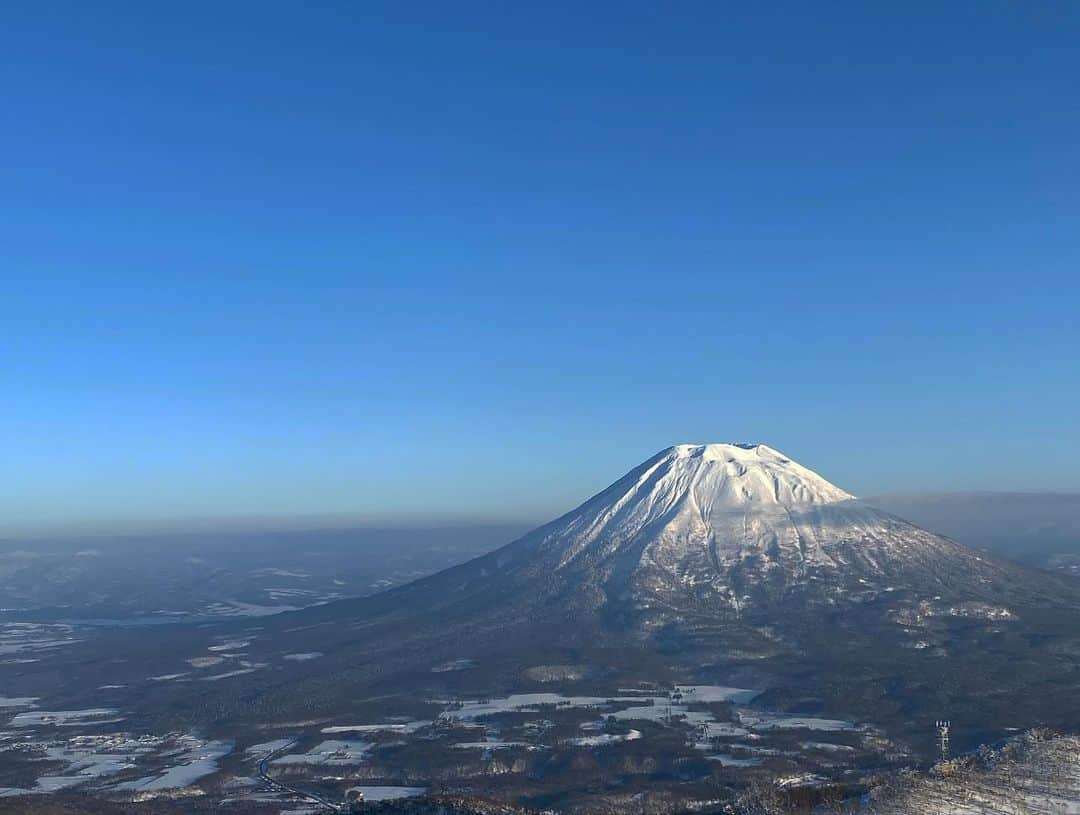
(413, 260)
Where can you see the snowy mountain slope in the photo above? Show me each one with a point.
(708, 562)
(1034, 774)
(726, 530)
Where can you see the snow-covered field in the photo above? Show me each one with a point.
(22, 643)
(63, 718)
(391, 727)
(197, 762)
(170, 762)
(18, 701)
(332, 752)
(387, 793)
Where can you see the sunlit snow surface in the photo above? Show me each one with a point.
(331, 752)
(266, 748)
(604, 738)
(696, 494)
(63, 718)
(18, 701)
(717, 524)
(24, 642)
(725, 760)
(642, 707)
(393, 727)
(93, 760)
(304, 657)
(195, 763)
(675, 709)
(387, 793)
(1030, 775)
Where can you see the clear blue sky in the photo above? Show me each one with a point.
(478, 259)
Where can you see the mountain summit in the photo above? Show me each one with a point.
(712, 561)
(698, 495)
(719, 528)
(725, 477)
(704, 537)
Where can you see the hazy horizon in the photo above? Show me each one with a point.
(254, 525)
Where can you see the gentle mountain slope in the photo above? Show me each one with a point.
(712, 563)
(725, 532)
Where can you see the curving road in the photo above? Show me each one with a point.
(279, 786)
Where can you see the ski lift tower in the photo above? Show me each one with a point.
(674, 697)
(943, 738)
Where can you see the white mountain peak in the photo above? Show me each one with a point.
(701, 530)
(736, 475)
(718, 498)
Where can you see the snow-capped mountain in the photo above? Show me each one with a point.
(726, 530)
(715, 562)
